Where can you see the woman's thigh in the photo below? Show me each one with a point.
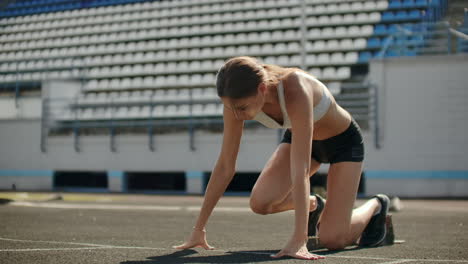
(274, 183)
(342, 186)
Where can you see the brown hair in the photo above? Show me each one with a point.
(239, 77)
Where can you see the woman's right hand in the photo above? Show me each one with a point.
(196, 239)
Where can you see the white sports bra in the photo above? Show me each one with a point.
(319, 110)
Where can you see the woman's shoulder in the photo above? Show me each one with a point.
(299, 81)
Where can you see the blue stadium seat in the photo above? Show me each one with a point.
(407, 26)
(421, 2)
(393, 28)
(416, 39)
(388, 16)
(373, 42)
(364, 56)
(415, 14)
(380, 29)
(409, 3)
(410, 52)
(391, 53)
(395, 4)
(401, 41)
(401, 15)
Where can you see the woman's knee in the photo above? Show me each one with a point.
(259, 207)
(333, 240)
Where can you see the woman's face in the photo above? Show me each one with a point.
(245, 108)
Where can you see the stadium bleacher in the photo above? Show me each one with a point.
(158, 59)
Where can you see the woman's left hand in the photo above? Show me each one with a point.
(297, 248)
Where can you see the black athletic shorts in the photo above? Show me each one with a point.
(347, 146)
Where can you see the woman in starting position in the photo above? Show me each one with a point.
(318, 131)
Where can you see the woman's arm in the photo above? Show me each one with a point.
(224, 169)
(300, 109)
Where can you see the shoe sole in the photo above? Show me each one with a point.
(322, 203)
(386, 209)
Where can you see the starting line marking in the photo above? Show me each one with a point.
(397, 261)
(101, 246)
(125, 207)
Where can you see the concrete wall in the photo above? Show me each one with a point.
(20, 149)
(25, 107)
(423, 119)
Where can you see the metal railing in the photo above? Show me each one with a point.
(357, 98)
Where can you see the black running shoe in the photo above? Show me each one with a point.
(376, 230)
(314, 216)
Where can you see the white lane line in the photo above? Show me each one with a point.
(95, 246)
(53, 242)
(98, 206)
(389, 260)
(50, 249)
(398, 261)
(221, 209)
(126, 207)
(102, 246)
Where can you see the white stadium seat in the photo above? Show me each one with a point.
(370, 5)
(362, 17)
(295, 60)
(184, 94)
(332, 8)
(125, 83)
(91, 85)
(323, 20)
(133, 112)
(357, 6)
(145, 112)
(210, 93)
(195, 79)
(280, 47)
(317, 72)
(375, 17)
(323, 58)
(382, 5)
(328, 73)
(337, 58)
(183, 80)
(343, 73)
(336, 19)
(351, 57)
(283, 60)
(319, 45)
(158, 111)
(197, 109)
(366, 30)
(171, 80)
(328, 32)
(333, 44)
(242, 50)
(349, 18)
(159, 95)
(182, 111)
(354, 31)
(172, 95)
(170, 110)
(210, 110)
(197, 93)
(311, 59)
(360, 43)
(85, 114)
(320, 9)
(114, 83)
(208, 79)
